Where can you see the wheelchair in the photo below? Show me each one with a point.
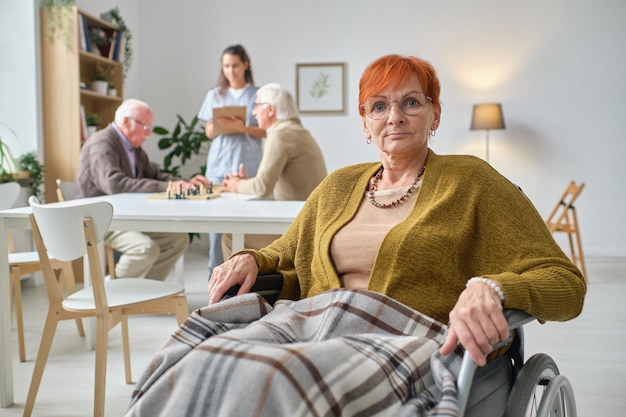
(505, 387)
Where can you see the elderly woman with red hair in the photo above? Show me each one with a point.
(446, 235)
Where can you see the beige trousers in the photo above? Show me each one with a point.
(150, 255)
(249, 242)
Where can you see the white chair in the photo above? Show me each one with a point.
(25, 263)
(68, 231)
(68, 190)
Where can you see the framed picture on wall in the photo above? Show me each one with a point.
(320, 88)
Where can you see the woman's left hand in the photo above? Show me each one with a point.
(234, 123)
(477, 321)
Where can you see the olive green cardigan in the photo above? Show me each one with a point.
(468, 221)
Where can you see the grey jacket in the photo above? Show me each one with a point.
(104, 168)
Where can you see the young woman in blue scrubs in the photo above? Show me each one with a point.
(235, 87)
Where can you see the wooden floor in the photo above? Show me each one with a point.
(589, 350)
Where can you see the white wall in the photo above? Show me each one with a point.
(557, 67)
(19, 108)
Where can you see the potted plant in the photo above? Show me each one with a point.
(26, 169)
(100, 80)
(126, 55)
(184, 142)
(8, 164)
(92, 123)
(29, 163)
(57, 16)
(112, 90)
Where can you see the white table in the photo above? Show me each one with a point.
(135, 211)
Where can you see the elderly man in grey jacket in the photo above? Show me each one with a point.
(112, 161)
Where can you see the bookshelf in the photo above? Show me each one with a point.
(69, 60)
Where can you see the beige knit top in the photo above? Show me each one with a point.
(355, 246)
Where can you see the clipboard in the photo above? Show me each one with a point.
(229, 111)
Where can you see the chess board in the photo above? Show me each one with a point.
(192, 194)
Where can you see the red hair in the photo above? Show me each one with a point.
(391, 70)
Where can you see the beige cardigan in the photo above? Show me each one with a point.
(291, 167)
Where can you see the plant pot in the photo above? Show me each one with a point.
(104, 49)
(91, 130)
(100, 86)
(113, 92)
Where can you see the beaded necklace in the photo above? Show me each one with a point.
(403, 197)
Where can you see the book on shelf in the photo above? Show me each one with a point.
(122, 48)
(119, 39)
(86, 38)
(113, 44)
(81, 34)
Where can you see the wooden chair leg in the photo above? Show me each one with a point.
(110, 255)
(47, 336)
(581, 256)
(66, 274)
(572, 249)
(126, 349)
(182, 311)
(102, 344)
(19, 312)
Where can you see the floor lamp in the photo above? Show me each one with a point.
(487, 117)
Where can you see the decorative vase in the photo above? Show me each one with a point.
(100, 86)
(104, 49)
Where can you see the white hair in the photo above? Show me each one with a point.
(129, 108)
(279, 97)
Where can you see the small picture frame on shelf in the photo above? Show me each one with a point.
(320, 88)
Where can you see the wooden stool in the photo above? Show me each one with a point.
(563, 219)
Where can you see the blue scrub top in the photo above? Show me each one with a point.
(228, 151)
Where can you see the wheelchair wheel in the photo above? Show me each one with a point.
(539, 391)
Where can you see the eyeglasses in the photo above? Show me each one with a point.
(411, 104)
(146, 128)
(260, 104)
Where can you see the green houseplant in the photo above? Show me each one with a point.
(57, 13)
(92, 119)
(100, 79)
(29, 162)
(183, 142)
(114, 16)
(25, 168)
(8, 164)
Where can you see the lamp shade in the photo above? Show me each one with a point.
(487, 117)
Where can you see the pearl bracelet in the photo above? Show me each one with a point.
(494, 285)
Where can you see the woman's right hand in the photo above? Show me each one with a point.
(241, 269)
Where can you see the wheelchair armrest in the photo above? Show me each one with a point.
(516, 319)
(267, 286)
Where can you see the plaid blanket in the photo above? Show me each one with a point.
(341, 353)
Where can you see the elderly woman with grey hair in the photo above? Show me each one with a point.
(292, 164)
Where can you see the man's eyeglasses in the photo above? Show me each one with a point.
(146, 128)
(410, 104)
(260, 104)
